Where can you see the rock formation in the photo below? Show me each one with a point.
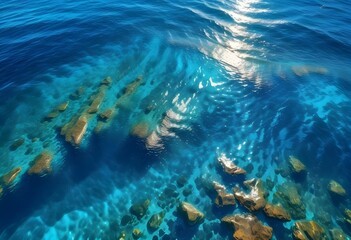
(248, 227)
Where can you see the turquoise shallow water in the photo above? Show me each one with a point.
(256, 81)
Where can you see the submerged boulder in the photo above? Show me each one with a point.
(136, 233)
(41, 164)
(337, 234)
(276, 211)
(155, 220)
(75, 130)
(139, 209)
(107, 81)
(193, 215)
(63, 106)
(106, 115)
(308, 230)
(229, 166)
(16, 144)
(289, 197)
(296, 165)
(223, 197)
(347, 217)
(9, 177)
(335, 188)
(141, 130)
(254, 200)
(248, 227)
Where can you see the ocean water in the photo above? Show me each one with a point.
(254, 80)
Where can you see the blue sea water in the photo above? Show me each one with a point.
(255, 80)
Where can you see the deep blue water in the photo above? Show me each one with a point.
(256, 80)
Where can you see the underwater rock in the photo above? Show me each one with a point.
(128, 90)
(41, 164)
(137, 233)
(139, 209)
(337, 234)
(107, 81)
(106, 115)
(347, 217)
(248, 227)
(335, 188)
(52, 115)
(63, 106)
(254, 200)
(132, 86)
(126, 219)
(192, 214)
(229, 166)
(223, 198)
(276, 211)
(296, 165)
(75, 130)
(140, 130)
(77, 94)
(289, 197)
(97, 101)
(1, 191)
(16, 144)
(155, 221)
(9, 177)
(181, 181)
(308, 230)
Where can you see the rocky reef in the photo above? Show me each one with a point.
(248, 227)
(255, 199)
(41, 164)
(192, 214)
(276, 211)
(229, 167)
(335, 188)
(296, 165)
(308, 230)
(288, 195)
(75, 129)
(10, 177)
(223, 198)
(139, 209)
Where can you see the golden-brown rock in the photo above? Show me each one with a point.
(9, 177)
(336, 188)
(192, 214)
(337, 234)
(75, 130)
(52, 115)
(106, 114)
(96, 103)
(296, 165)
(347, 217)
(308, 230)
(41, 164)
(276, 211)
(229, 166)
(223, 197)
(63, 106)
(254, 200)
(289, 197)
(248, 227)
(141, 130)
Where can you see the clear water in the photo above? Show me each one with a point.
(257, 80)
